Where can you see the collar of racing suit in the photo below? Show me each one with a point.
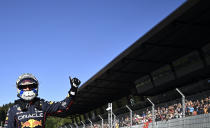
(25, 104)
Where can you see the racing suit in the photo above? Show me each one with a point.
(33, 114)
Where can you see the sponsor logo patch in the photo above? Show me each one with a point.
(35, 115)
(31, 123)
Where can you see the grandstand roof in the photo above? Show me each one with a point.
(183, 31)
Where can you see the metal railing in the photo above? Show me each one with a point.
(199, 121)
(128, 117)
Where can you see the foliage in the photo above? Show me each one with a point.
(55, 122)
(3, 111)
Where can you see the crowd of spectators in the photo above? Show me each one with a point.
(193, 106)
(166, 112)
(163, 112)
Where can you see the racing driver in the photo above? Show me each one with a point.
(29, 111)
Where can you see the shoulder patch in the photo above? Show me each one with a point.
(18, 108)
(51, 102)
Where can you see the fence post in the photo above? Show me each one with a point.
(131, 123)
(70, 126)
(114, 121)
(109, 109)
(153, 112)
(76, 125)
(183, 105)
(102, 121)
(91, 123)
(83, 124)
(183, 101)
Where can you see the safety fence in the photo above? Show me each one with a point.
(165, 115)
(199, 121)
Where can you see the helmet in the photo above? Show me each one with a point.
(27, 80)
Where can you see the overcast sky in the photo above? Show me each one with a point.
(54, 39)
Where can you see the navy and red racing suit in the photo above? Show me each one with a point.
(33, 114)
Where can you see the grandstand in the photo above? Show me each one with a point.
(175, 54)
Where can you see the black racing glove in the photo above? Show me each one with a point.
(75, 82)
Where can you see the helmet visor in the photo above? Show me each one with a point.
(30, 86)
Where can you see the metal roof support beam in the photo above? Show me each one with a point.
(97, 93)
(125, 72)
(114, 81)
(102, 93)
(106, 88)
(84, 97)
(192, 25)
(142, 60)
(82, 105)
(170, 46)
(89, 100)
(173, 70)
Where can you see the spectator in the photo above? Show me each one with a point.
(194, 107)
(191, 110)
(205, 109)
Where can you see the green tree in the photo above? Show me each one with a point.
(55, 122)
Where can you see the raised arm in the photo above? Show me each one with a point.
(64, 105)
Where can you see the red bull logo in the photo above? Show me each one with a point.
(31, 123)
